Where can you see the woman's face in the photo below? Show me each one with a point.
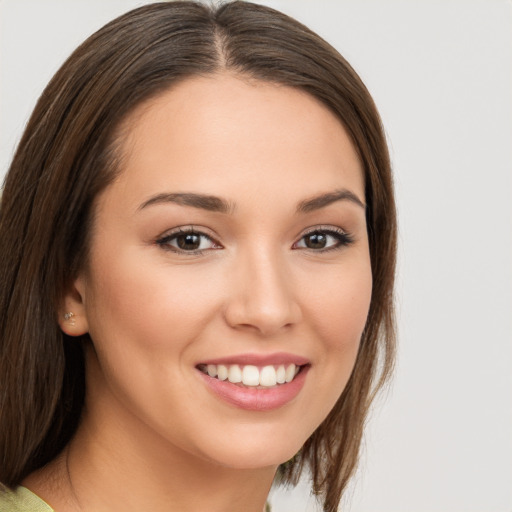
(231, 246)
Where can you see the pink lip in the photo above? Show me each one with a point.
(255, 399)
(260, 359)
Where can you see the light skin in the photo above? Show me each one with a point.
(282, 266)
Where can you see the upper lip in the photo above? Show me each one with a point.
(276, 358)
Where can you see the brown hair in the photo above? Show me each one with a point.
(67, 155)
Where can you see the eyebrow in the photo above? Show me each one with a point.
(323, 200)
(217, 204)
(202, 201)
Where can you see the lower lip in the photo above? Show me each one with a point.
(256, 399)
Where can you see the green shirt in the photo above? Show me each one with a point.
(22, 500)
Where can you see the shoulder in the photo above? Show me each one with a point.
(22, 500)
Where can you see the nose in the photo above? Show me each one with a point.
(262, 294)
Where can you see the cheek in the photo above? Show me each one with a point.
(338, 313)
(148, 303)
(145, 317)
(341, 305)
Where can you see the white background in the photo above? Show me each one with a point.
(441, 74)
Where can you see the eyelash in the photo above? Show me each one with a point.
(343, 239)
(164, 241)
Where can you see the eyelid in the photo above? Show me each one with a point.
(344, 237)
(324, 229)
(163, 239)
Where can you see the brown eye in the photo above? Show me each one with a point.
(324, 240)
(315, 241)
(187, 242)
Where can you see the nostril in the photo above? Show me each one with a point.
(263, 295)
(262, 320)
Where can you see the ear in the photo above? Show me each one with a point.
(72, 314)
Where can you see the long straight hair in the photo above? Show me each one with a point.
(69, 153)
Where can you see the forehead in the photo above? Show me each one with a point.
(223, 132)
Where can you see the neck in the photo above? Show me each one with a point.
(134, 481)
(158, 478)
(132, 468)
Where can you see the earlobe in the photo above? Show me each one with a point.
(72, 315)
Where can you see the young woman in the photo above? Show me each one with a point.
(198, 247)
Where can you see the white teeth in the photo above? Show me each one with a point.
(250, 375)
(290, 373)
(222, 372)
(268, 376)
(234, 374)
(281, 374)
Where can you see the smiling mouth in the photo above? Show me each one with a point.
(253, 376)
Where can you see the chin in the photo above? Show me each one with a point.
(255, 460)
(253, 453)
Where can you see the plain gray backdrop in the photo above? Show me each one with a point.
(441, 74)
